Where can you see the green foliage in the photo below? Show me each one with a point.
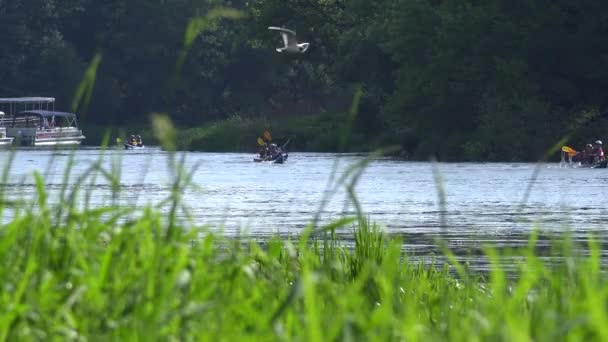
(489, 80)
(82, 97)
(307, 133)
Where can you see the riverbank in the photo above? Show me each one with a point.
(311, 133)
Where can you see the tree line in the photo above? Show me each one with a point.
(458, 79)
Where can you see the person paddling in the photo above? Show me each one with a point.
(598, 152)
(586, 156)
(274, 150)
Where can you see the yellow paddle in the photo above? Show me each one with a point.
(568, 149)
(571, 152)
(260, 142)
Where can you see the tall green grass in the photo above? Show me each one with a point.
(94, 278)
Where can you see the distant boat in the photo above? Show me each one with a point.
(279, 159)
(133, 147)
(4, 140)
(32, 121)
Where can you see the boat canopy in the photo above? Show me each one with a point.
(47, 113)
(27, 100)
(41, 118)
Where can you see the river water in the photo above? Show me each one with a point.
(485, 203)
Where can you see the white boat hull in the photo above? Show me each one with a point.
(58, 140)
(67, 136)
(133, 147)
(6, 142)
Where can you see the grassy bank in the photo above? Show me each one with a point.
(96, 133)
(74, 272)
(307, 133)
(318, 133)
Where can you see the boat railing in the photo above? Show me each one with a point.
(22, 121)
(34, 121)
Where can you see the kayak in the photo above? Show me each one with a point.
(133, 147)
(600, 165)
(280, 159)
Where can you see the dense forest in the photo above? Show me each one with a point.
(458, 79)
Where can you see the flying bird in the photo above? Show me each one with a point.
(290, 43)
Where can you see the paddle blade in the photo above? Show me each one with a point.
(260, 142)
(568, 149)
(267, 136)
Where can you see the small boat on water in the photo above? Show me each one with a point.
(588, 159)
(134, 143)
(4, 140)
(133, 146)
(32, 121)
(271, 152)
(601, 165)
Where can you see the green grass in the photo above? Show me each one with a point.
(310, 133)
(319, 133)
(73, 272)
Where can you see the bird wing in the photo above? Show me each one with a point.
(288, 39)
(274, 28)
(289, 36)
(285, 39)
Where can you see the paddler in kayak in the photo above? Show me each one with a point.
(263, 151)
(138, 141)
(264, 154)
(598, 152)
(585, 157)
(275, 151)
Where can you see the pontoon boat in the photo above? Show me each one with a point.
(32, 121)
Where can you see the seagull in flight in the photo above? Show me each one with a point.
(289, 41)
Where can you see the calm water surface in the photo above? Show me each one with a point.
(484, 201)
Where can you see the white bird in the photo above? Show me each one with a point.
(289, 41)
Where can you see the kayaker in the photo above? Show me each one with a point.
(138, 140)
(598, 152)
(274, 150)
(263, 151)
(587, 155)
